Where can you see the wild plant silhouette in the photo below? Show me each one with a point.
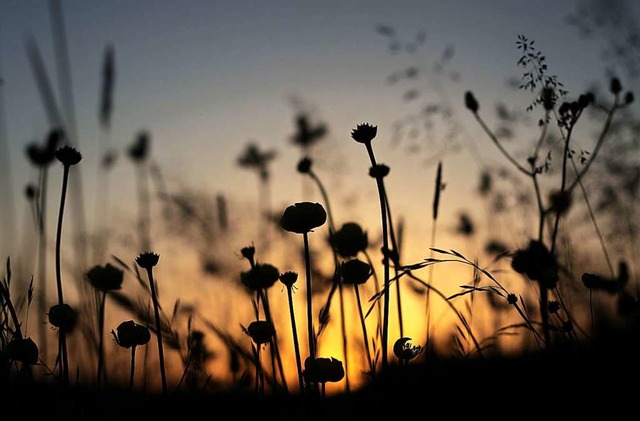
(532, 321)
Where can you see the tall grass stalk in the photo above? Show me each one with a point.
(434, 226)
(68, 156)
(147, 261)
(305, 167)
(364, 133)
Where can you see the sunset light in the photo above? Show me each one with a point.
(317, 209)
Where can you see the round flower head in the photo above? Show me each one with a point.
(364, 133)
(68, 156)
(261, 331)
(260, 276)
(560, 201)
(139, 150)
(23, 350)
(130, 334)
(355, 272)
(323, 370)
(615, 86)
(302, 217)
(470, 102)
(628, 98)
(249, 253)
(405, 351)
(42, 156)
(30, 191)
(349, 240)
(105, 278)
(304, 166)
(63, 317)
(147, 260)
(537, 263)
(289, 278)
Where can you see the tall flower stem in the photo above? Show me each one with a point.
(62, 336)
(307, 263)
(365, 338)
(100, 372)
(385, 246)
(156, 313)
(336, 277)
(275, 350)
(133, 367)
(345, 345)
(42, 259)
(396, 255)
(376, 286)
(296, 345)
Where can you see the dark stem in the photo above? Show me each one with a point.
(427, 303)
(42, 260)
(544, 314)
(156, 311)
(396, 250)
(496, 142)
(345, 346)
(65, 180)
(133, 367)
(596, 227)
(260, 371)
(541, 212)
(275, 350)
(385, 246)
(101, 338)
(336, 275)
(596, 149)
(376, 285)
(296, 345)
(325, 197)
(62, 337)
(307, 262)
(365, 338)
(12, 311)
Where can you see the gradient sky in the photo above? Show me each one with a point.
(206, 77)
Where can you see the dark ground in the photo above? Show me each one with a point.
(601, 382)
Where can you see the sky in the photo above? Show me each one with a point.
(207, 77)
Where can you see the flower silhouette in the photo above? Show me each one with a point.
(355, 272)
(260, 276)
(302, 217)
(63, 317)
(349, 240)
(405, 351)
(289, 278)
(105, 278)
(139, 149)
(130, 334)
(68, 156)
(364, 133)
(323, 370)
(23, 350)
(147, 260)
(537, 263)
(43, 155)
(261, 331)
